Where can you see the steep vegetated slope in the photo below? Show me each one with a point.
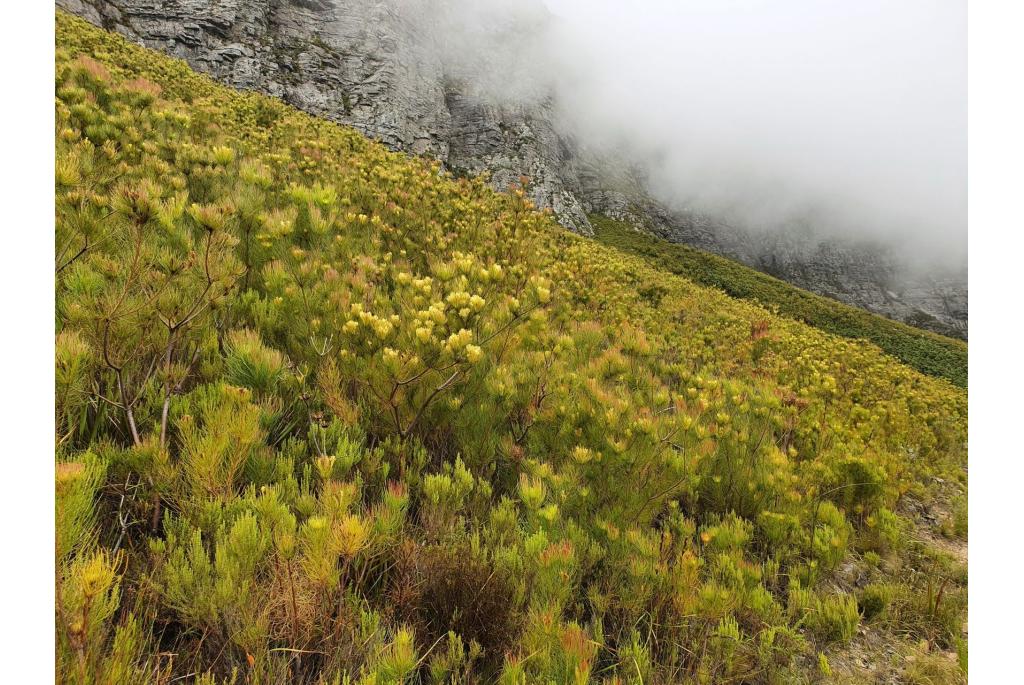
(380, 66)
(930, 353)
(326, 414)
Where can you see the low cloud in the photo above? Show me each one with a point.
(851, 116)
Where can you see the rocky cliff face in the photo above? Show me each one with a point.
(864, 274)
(373, 66)
(359, 62)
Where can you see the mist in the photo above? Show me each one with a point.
(850, 116)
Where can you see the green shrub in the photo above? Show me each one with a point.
(326, 413)
(874, 600)
(832, 618)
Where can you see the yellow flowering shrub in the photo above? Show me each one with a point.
(325, 413)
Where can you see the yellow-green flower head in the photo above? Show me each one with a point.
(581, 455)
(457, 341)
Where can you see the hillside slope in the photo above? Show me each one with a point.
(927, 352)
(379, 66)
(327, 414)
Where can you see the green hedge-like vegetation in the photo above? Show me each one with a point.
(326, 414)
(927, 352)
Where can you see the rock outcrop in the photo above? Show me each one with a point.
(372, 66)
(359, 62)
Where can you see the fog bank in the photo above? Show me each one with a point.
(849, 115)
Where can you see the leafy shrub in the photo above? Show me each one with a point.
(883, 532)
(250, 364)
(874, 600)
(832, 618)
